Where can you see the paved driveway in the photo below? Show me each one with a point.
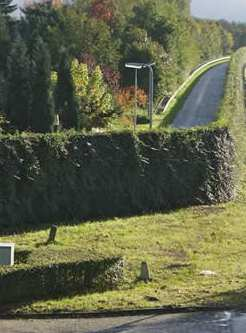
(223, 322)
(202, 104)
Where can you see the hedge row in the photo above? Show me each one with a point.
(61, 177)
(48, 178)
(232, 112)
(56, 280)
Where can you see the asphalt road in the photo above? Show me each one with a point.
(202, 104)
(222, 322)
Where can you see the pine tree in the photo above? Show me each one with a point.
(5, 41)
(6, 7)
(2, 93)
(66, 104)
(18, 87)
(42, 114)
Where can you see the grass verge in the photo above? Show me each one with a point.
(178, 246)
(180, 96)
(142, 121)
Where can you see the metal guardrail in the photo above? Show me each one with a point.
(194, 72)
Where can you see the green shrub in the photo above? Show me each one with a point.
(46, 178)
(60, 279)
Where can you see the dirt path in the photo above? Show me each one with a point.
(202, 104)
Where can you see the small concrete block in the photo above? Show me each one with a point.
(208, 273)
(144, 272)
(7, 254)
(52, 235)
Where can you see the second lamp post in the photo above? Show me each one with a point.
(137, 66)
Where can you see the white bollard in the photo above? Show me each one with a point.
(7, 254)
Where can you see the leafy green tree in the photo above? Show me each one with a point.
(237, 31)
(6, 7)
(98, 104)
(2, 93)
(98, 42)
(19, 96)
(95, 102)
(45, 21)
(42, 115)
(212, 41)
(147, 17)
(5, 41)
(4, 124)
(183, 6)
(66, 103)
(141, 48)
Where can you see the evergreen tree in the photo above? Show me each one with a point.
(6, 7)
(5, 42)
(2, 93)
(42, 115)
(66, 104)
(18, 87)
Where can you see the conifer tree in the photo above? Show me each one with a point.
(66, 104)
(42, 114)
(6, 7)
(18, 87)
(5, 41)
(2, 93)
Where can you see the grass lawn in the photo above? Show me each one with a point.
(177, 246)
(117, 125)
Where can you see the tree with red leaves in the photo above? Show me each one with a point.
(103, 10)
(112, 78)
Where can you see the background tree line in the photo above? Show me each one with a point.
(68, 60)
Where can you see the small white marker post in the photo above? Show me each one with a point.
(7, 254)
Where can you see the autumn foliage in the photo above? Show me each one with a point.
(103, 10)
(126, 97)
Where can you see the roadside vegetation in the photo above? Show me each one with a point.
(196, 255)
(75, 54)
(175, 104)
(178, 246)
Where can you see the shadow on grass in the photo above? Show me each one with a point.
(228, 300)
(235, 299)
(8, 230)
(21, 256)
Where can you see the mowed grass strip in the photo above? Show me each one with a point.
(177, 246)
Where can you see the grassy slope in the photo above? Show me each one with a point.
(177, 246)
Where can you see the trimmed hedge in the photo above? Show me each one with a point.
(46, 178)
(54, 178)
(56, 280)
(232, 113)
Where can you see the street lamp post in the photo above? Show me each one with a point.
(151, 94)
(136, 67)
(136, 101)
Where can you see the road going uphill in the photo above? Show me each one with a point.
(202, 104)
